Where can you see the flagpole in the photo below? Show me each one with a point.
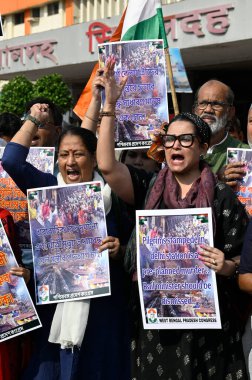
(167, 58)
(170, 76)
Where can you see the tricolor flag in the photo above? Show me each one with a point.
(202, 218)
(141, 20)
(144, 21)
(142, 220)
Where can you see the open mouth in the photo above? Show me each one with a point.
(72, 174)
(35, 140)
(177, 157)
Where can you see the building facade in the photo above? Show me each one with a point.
(36, 16)
(43, 37)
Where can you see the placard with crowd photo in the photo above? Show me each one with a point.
(17, 312)
(244, 186)
(180, 78)
(143, 106)
(177, 290)
(67, 226)
(14, 200)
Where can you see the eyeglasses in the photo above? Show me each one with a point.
(216, 106)
(186, 140)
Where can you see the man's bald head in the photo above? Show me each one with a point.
(229, 94)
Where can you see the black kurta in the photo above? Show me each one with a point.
(196, 354)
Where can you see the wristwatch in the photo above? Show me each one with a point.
(34, 120)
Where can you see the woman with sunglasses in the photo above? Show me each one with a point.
(185, 182)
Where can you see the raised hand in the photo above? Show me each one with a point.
(113, 89)
(40, 112)
(98, 84)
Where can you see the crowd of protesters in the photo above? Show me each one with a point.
(111, 343)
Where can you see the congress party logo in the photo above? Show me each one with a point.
(152, 315)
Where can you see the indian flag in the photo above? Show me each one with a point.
(142, 220)
(143, 21)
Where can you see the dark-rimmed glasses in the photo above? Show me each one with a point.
(216, 106)
(186, 140)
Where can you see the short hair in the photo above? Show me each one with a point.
(9, 124)
(55, 110)
(88, 138)
(202, 129)
(230, 92)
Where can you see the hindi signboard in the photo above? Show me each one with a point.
(143, 104)
(244, 187)
(17, 312)
(67, 227)
(177, 291)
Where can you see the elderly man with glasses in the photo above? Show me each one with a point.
(214, 104)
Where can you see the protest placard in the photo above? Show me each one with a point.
(180, 78)
(17, 312)
(67, 227)
(177, 291)
(143, 104)
(244, 186)
(14, 200)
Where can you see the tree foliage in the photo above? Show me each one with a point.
(53, 87)
(15, 94)
(19, 90)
